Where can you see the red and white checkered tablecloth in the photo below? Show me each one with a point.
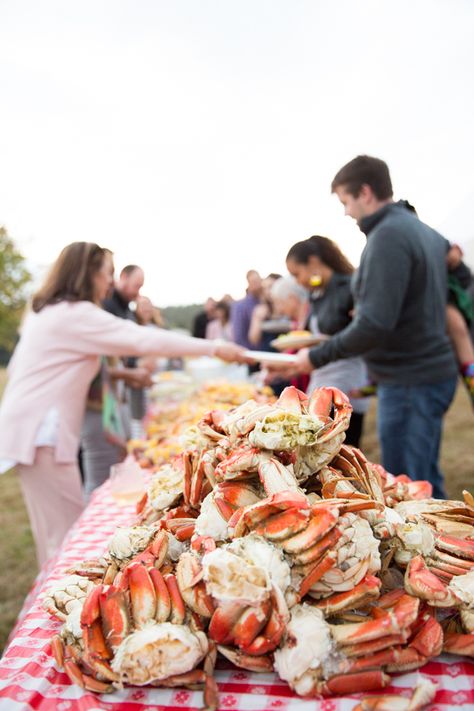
(29, 678)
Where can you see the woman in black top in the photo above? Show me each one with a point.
(319, 265)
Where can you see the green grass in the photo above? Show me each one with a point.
(17, 554)
(19, 568)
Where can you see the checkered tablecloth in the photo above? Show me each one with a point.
(29, 678)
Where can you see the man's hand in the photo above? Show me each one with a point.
(303, 363)
(232, 353)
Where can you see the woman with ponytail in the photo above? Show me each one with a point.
(319, 265)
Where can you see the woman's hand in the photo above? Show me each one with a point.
(232, 353)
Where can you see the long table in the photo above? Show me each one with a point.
(29, 678)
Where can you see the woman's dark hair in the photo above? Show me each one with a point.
(364, 170)
(323, 248)
(71, 278)
(225, 307)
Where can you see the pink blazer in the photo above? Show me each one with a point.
(53, 365)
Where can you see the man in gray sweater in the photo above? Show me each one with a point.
(399, 326)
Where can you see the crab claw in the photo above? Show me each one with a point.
(115, 616)
(192, 588)
(422, 583)
(293, 400)
(320, 404)
(246, 661)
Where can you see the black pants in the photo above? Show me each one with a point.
(354, 431)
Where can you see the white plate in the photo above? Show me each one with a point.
(297, 342)
(268, 357)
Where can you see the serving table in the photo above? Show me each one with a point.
(29, 678)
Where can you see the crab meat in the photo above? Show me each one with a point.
(462, 586)
(285, 430)
(127, 541)
(167, 486)
(415, 539)
(210, 521)
(220, 505)
(308, 646)
(158, 651)
(243, 571)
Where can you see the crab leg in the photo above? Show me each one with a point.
(395, 621)
(366, 591)
(178, 613)
(456, 643)
(460, 546)
(275, 627)
(245, 661)
(363, 649)
(351, 683)
(142, 593)
(319, 524)
(223, 621)
(283, 524)
(250, 624)
(327, 562)
(250, 517)
(314, 552)
(163, 600)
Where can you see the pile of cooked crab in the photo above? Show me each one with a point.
(273, 544)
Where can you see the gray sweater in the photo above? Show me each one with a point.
(400, 292)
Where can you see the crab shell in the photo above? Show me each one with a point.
(67, 595)
(127, 541)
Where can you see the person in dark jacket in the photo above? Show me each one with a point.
(203, 318)
(399, 326)
(126, 290)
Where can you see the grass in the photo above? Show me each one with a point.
(19, 567)
(16, 544)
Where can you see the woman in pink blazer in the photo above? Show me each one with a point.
(50, 372)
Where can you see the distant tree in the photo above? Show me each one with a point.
(180, 316)
(13, 278)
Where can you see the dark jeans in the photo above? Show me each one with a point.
(409, 425)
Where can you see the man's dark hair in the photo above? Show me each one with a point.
(129, 269)
(364, 170)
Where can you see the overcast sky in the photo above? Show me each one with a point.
(198, 138)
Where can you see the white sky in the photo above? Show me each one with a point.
(198, 138)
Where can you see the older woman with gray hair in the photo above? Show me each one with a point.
(290, 300)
